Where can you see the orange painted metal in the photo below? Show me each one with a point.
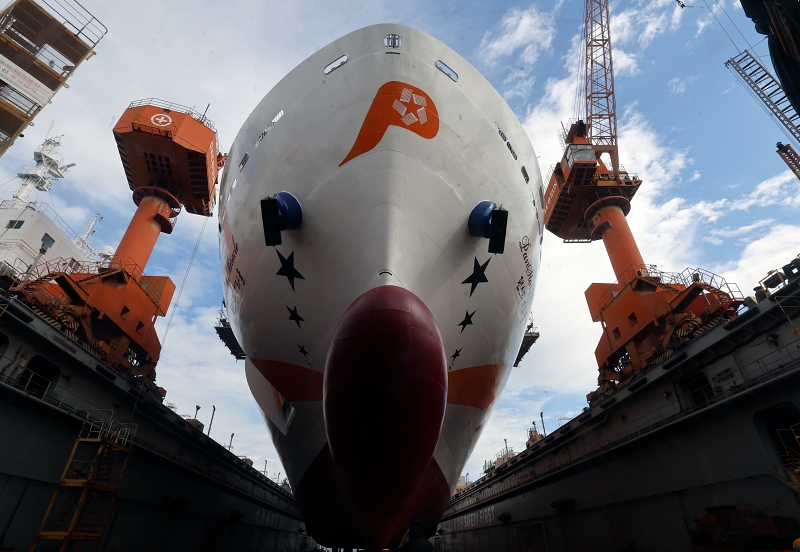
(294, 382)
(476, 386)
(105, 308)
(170, 158)
(396, 104)
(645, 315)
(140, 238)
(618, 239)
(581, 184)
(171, 147)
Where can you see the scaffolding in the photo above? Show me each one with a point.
(81, 506)
(41, 45)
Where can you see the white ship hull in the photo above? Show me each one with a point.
(385, 202)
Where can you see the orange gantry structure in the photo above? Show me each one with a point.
(109, 306)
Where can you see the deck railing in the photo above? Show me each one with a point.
(39, 388)
(757, 372)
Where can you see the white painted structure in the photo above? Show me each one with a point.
(24, 225)
(395, 215)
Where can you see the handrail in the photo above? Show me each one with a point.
(85, 269)
(685, 279)
(63, 399)
(79, 18)
(175, 107)
(644, 425)
(50, 213)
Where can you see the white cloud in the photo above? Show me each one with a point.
(715, 236)
(782, 189)
(529, 31)
(555, 108)
(678, 85)
(196, 369)
(644, 22)
(703, 23)
(772, 251)
(518, 84)
(625, 64)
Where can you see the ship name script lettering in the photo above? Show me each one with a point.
(235, 278)
(232, 257)
(238, 282)
(525, 283)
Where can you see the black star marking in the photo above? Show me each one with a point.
(287, 268)
(457, 353)
(466, 322)
(303, 351)
(477, 275)
(293, 316)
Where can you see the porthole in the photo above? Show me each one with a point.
(442, 66)
(242, 163)
(264, 132)
(499, 131)
(513, 153)
(525, 175)
(335, 64)
(393, 41)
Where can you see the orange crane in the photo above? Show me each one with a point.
(645, 314)
(170, 158)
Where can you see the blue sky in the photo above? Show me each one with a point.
(715, 193)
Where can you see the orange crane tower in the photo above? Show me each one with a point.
(170, 158)
(646, 314)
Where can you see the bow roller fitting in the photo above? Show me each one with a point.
(280, 212)
(480, 219)
(488, 221)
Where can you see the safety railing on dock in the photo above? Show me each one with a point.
(677, 280)
(38, 387)
(757, 372)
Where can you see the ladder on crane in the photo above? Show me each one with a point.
(790, 157)
(767, 89)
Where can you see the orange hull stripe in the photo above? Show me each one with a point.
(296, 383)
(477, 386)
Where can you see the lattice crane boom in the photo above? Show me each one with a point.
(601, 105)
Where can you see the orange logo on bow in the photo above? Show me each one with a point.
(396, 104)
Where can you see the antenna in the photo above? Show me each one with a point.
(81, 242)
(49, 166)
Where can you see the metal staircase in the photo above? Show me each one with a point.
(82, 504)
